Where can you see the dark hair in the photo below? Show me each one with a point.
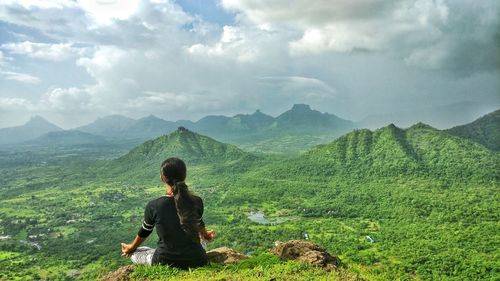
(173, 171)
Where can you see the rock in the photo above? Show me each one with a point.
(121, 274)
(224, 255)
(307, 252)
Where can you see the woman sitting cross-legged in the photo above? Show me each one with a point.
(177, 217)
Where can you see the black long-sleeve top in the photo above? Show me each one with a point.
(175, 247)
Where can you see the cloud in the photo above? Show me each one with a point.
(66, 100)
(44, 51)
(152, 57)
(15, 104)
(20, 77)
(2, 58)
(233, 43)
(305, 88)
(441, 35)
(104, 12)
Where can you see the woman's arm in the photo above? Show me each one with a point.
(127, 249)
(143, 233)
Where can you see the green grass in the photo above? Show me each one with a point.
(262, 267)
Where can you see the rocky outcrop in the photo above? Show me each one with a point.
(224, 255)
(307, 252)
(121, 274)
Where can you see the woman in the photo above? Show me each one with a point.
(177, 217)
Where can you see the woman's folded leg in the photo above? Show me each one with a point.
(142, 255)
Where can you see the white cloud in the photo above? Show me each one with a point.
(233, 43)
(66, 100)
(15, 104)
(104, 12)
(20, 77)
(44, 51)
(41, 4)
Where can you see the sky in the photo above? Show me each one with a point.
(74, 61)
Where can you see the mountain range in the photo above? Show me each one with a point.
(419, 150)
(296, 129)
(239, 128)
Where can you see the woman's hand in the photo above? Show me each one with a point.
(127, 249)
(209, 235)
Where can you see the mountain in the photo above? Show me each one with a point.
(148, 127)
(485, 130)
(186, 144)
(119, 126)
(302, 118)
(261, 132)
(442, 117)
(392, 151)
(111, 126)
(213, 124)
(35, 127)
(223, 126)
(143, 161)
(66, 138)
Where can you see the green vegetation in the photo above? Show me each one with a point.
(429, 199)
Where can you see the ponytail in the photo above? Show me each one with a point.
(173, 170)
(185, 205)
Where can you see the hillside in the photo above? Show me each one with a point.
(185, 144)
(193, 148)
(34, 128)
(485, 130)
(392, 151)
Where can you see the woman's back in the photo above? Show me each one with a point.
(175, 246)
(177, 217)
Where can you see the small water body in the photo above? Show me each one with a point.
(258, 217)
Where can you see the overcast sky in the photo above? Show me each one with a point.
(73, 61)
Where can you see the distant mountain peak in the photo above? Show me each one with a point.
(37, 119)
(182, 129)
(258, 113)
(301, 106)
(392, 126)
(150, 117)
(421, 125)
(35, 127)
